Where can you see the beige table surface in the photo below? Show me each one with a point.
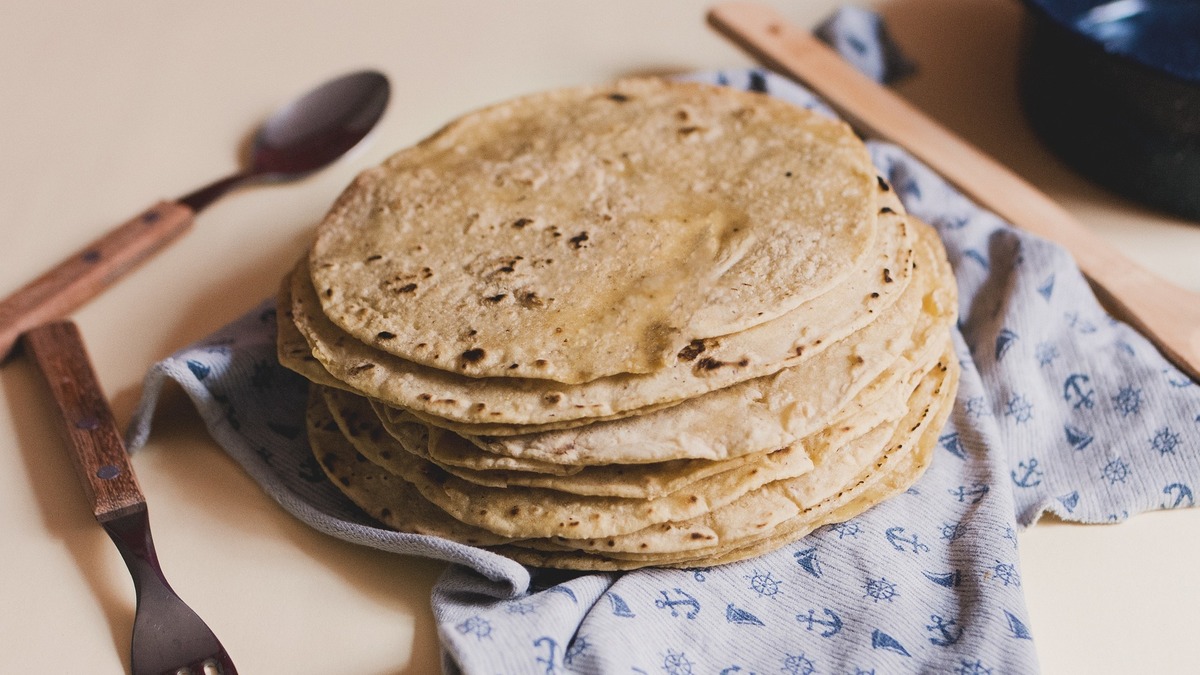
(106, 107)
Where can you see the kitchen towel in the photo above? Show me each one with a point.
(1061, 408)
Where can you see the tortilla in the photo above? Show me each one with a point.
(394, 502)
(497, 405)
(903, 461)
(642, 481)
(764, 413)
(538, 512)
(595, 231)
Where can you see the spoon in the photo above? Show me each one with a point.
(299, 138)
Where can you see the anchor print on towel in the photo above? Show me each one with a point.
(972, 494)
(1073, 391)
(948, 631)
(549, 661)
(1181, 493)
(1011, 535)
(830, 623)
(685, 599)
(1027, 474)
(910, 544)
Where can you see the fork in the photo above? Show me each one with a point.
(168, 637)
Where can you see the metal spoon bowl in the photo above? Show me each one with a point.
(308, 133)
(301, 137)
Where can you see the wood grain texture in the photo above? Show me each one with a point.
(88, 427)
(1166, 314)
(90, 270)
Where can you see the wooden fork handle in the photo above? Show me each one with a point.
(93, 268)
(1165, 313)
(87, 421)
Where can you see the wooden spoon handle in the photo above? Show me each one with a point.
(92, 269)
(1168, 315)
(99, 455)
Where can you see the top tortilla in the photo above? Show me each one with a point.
(595, 231)
(313, 346)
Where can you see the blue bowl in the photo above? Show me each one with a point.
(1113, 87)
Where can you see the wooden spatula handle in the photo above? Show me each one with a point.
(1165, 313)
(87, 421)
(92, 269)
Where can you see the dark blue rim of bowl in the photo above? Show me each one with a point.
(1066, 21)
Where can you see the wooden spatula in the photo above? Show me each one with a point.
(1166, 314)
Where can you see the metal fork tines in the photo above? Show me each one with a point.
(168, 637)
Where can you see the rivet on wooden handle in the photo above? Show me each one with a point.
(90, 270)
(88, 427)
(1165, 313)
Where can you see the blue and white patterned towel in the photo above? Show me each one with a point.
(1060, 408)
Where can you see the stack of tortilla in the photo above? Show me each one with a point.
(646, 323)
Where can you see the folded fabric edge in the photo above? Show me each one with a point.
(513, 577)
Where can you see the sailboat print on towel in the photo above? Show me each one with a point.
(620, 607)
(735, 615)
(1004, 342)
(1078, 438)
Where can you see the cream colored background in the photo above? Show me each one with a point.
(106, 107)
